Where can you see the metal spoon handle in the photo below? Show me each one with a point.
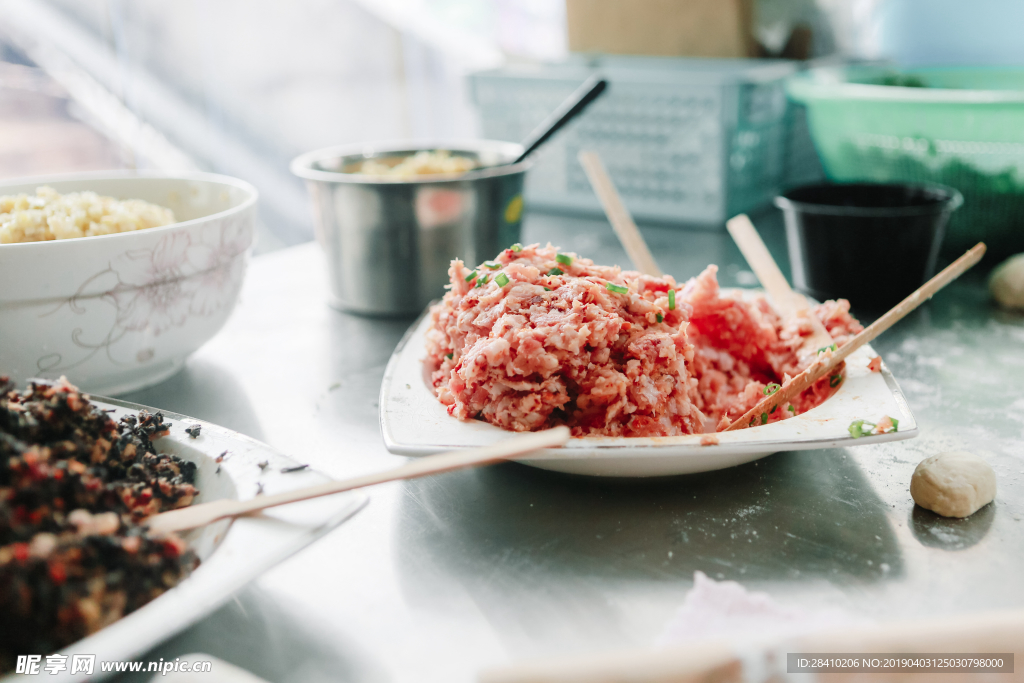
(566, 112)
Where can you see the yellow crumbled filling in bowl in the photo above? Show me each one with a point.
(440, 162)
(49, 215)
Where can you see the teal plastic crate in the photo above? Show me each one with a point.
(692, 141)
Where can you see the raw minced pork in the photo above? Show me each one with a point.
(536, 338)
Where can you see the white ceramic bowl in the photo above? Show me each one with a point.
(120, 312)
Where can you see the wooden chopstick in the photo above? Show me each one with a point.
(629, 235)
(790, 304)
(205, 513)
(724, 662)
(764, 266)
(828, 361)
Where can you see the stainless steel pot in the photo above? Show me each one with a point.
(389, 242)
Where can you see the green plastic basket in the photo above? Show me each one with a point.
(961, 127)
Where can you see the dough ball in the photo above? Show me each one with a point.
(953, 484)
(1007, 282)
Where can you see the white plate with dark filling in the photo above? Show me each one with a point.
(231, 553)
(415, 423)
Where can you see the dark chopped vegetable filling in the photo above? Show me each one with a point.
(74, 487)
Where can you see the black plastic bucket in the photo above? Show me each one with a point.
(870, 243)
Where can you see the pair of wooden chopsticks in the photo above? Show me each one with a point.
(789, 303)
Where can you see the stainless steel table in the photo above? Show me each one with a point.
(441, 577)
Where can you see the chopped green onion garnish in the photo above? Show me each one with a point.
(764, 418)
(834, 380)
(895, 424)
(547, 289)
(791, 408)
(555, 271)
(857, 430)
(774, 408)
(618, 289)
(827, 348)
(563, 259)
(493, 265)
(482, 281)
(450, 355)
(472, 274)
(659, 317)
(501, 280)
(771, 388)
(671, 299)
(516, 247)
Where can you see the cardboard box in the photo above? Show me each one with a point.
(676, 28)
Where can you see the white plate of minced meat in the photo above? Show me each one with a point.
(644, 370)
(80, 575)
